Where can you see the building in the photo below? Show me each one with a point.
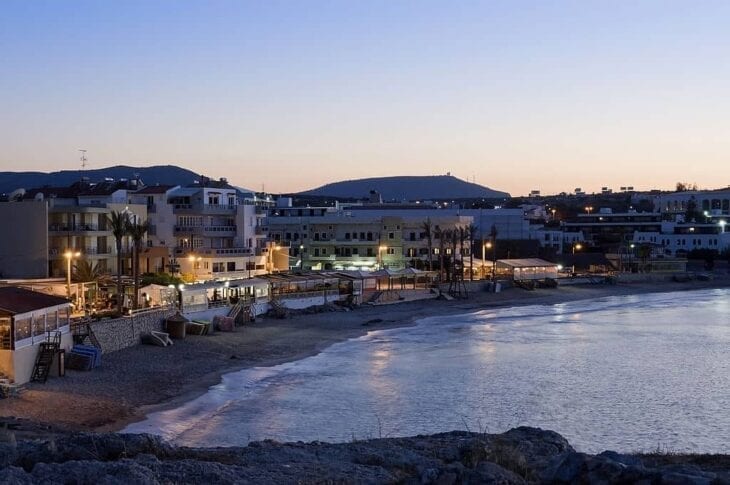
(324, 238)
(27, 318)
(711, 202)
(208, 230)
(51, 223)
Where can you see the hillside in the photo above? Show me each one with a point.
(408, 188)
(162, 174)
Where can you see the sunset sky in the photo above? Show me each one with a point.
(293, 94)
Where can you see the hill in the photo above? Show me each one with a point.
(159, 174)
(428, 187)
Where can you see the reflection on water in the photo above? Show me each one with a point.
(625, 373)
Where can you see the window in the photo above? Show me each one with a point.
(370, 236)
(347, 236)
(370, 252)
(316, 251)
(324, 251)
(391, 250)
(362, 235)
(231, 266)
(354, 250)
(391, 235)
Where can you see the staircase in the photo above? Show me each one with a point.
(46, 353)
(235, 310)
(82, 332)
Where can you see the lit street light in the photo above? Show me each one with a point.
(69, 255)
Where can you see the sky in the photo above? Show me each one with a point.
(290, 95)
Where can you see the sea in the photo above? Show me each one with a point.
(630, 373)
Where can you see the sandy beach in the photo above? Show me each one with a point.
(138, 380)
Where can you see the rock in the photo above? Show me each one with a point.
(521, 455)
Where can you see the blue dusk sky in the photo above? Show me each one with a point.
(547, 95)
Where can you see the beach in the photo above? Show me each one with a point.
(138, 380)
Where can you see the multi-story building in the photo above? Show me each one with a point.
(333, 238)
(50, 223)
(711, 202)
(210, 229)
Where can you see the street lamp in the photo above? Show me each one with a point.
(69, 255)
(301, 257)
(485, 245)
(722, 224)
(577, 247)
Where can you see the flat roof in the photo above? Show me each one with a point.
(14, 300)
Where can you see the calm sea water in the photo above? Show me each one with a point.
(627, 373)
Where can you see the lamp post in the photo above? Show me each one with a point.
(485, 245)
(576, 247)
(301, 257)
(69, 255)
(722, 224)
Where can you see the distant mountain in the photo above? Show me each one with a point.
(159, 174)
(427, 187)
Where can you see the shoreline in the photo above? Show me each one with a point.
(140, 380)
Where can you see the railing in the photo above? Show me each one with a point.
(219, 207)
(202, 229)
(75, 227)
(98, 250)
(90, 251)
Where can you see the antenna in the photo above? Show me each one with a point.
(83, 158)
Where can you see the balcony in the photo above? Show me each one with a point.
(205, 208)
(215, 251)
(207, 230)
(79, 227)
(90, 251)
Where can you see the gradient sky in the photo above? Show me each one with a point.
(293, 94)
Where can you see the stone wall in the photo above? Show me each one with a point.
(120, 333)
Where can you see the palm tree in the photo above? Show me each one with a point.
(440, 235)
(137, 231)
(86, 271)
(471, 231)
(428, 232)
(454, 233)
(119, 223)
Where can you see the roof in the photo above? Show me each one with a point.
(14, 300)
(526, 263)
(155, 189)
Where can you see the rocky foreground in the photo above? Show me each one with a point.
(521, 455)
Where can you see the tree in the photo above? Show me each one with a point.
(137, 231)
(440, 235)
(428, 232)
(471, 231)
(691, 214)
(86, 271)
(462, 239)
(454, 235)
(119, 223)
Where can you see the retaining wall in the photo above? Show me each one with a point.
(120, 333)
